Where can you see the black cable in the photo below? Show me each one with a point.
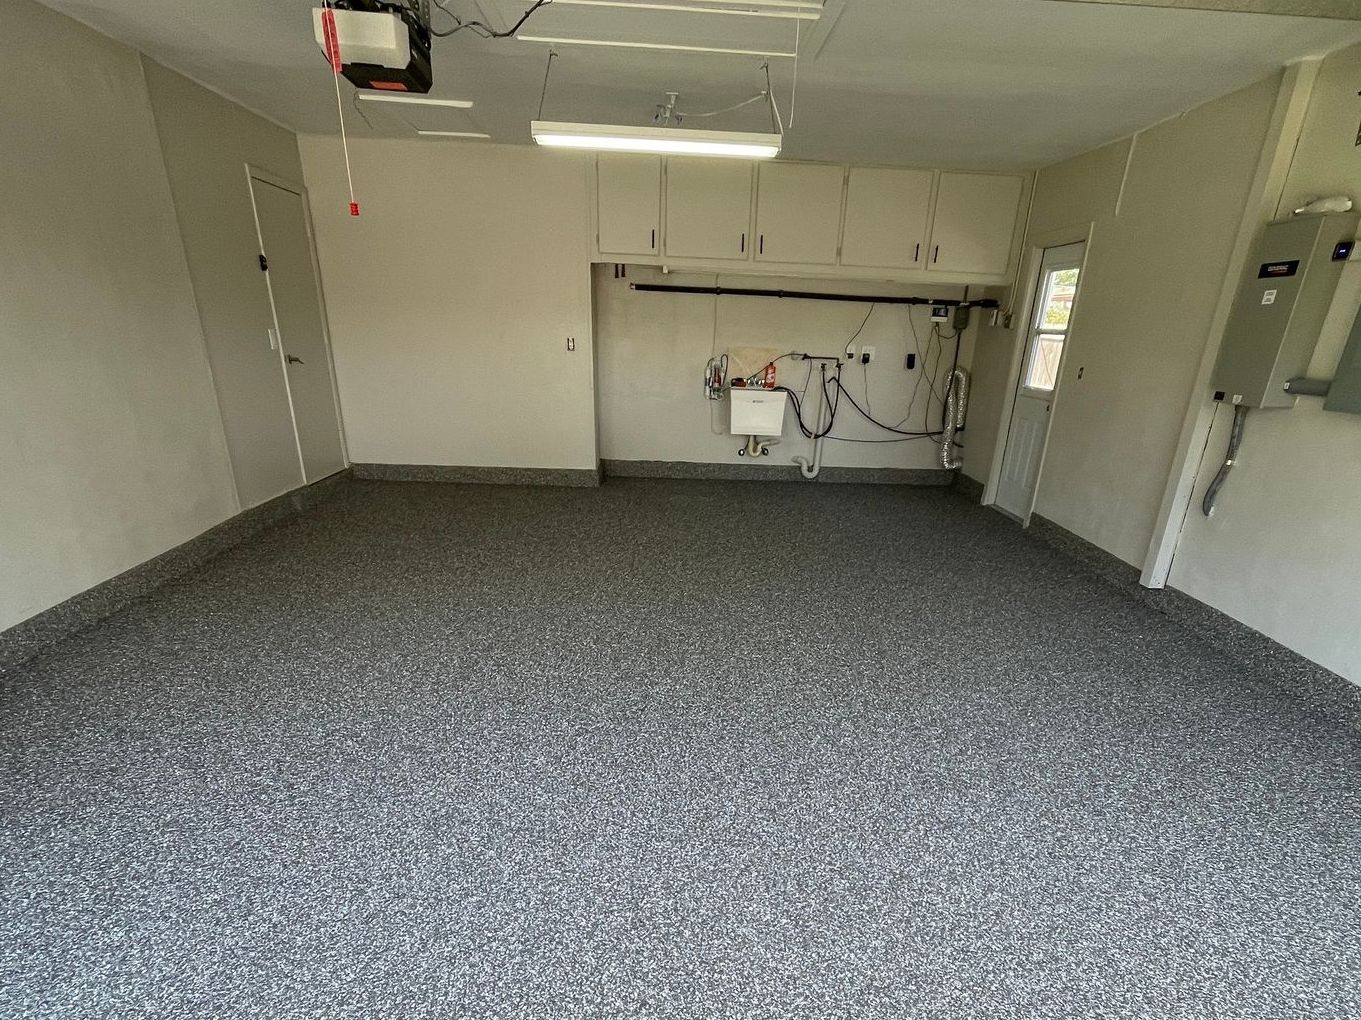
(481, 28)
(900, 439)
(853, 339)
(871, 419)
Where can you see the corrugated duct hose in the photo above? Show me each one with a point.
(956, 407)
(1240, 415)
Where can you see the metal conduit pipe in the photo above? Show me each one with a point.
(956, 408)
(1240, 416)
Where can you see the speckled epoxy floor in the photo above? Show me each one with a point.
(666, 749)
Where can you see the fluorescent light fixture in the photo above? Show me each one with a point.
(453, 134)
(672, 141)
(748, 10)
(564, 40)
(410, 100)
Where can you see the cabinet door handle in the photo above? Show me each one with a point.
(743, 248)
(654, 238)
(762, 249)
(917, 252)
(935, 255)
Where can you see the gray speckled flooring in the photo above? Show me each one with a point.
(458, 751)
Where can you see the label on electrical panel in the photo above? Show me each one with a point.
(1270, 270)
(1268, 297)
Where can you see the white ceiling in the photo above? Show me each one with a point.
(988, 84)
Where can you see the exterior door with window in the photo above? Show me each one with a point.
(1046, 337)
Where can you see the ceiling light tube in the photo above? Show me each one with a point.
(410, 100)
(452, 134)
(669, 141)
(560, 40)
(785, 13)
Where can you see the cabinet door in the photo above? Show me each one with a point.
(975, 220)
(628, 203)
(708, 208)
(886, 215)
(798, 213)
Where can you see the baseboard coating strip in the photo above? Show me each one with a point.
(774, 473)
(80, 612)
(457, 474)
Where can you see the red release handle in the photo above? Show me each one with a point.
(328, 31)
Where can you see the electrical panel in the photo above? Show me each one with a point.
(1345, 393)
(1279, 312)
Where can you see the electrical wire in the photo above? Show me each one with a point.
(727, 109)
(481, 28)
(856, 335)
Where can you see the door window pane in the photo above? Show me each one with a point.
(1044, 361)
(1058, 299)
(1057, 290)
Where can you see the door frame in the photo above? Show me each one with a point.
(258, 174)
(1023, 312)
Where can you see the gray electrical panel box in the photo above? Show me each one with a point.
(1345, 393)
(1279, 312)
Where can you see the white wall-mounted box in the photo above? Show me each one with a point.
(757, 412)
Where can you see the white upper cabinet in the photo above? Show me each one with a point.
(974, 223)
(708, 208)
(798, 213)
(629, 204)
(886, 216)
(806, 219)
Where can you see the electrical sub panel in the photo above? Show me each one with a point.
(1280, 308)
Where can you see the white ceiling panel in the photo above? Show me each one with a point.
(988, 84)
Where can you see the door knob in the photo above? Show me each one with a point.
(293, 360)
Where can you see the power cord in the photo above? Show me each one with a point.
(481, 28)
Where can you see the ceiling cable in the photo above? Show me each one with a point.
(727, 109)
(794, 88)
(775, 120)
(332, 38)
(481, 28)
(548, 69)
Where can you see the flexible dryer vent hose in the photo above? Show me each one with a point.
(1240, 416)
(956, 408)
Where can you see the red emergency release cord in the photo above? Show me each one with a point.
(328, 29)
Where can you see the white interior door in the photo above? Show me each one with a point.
(286, 242)
(708, 208)
(1046, 337)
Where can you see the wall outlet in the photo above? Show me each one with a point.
(867, 354)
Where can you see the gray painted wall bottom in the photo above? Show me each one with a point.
(80, 612)
(774, 473)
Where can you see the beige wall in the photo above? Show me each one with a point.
(652, 348)
(1163, 225)
(451, 299)
(1283, 550)
(111, 448)
(206, 142)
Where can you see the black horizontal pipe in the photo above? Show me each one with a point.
(811, 295)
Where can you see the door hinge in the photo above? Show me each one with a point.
(264, 263)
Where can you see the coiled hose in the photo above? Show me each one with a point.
(1240, 416)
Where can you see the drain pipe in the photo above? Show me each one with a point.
(809, 469)
(956, 407)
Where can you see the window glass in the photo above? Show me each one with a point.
(1051, 328)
